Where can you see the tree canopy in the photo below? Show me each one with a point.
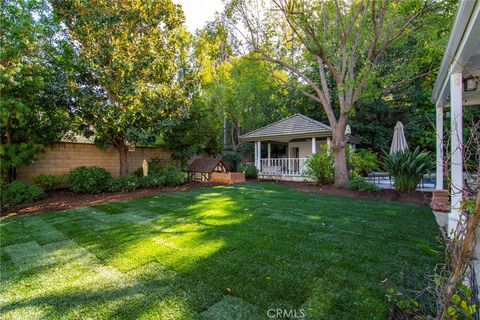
(133, 57)
(34, 72)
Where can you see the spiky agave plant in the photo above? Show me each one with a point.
(407, 167)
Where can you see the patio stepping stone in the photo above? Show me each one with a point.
(231, 308)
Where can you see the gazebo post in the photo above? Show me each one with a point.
(258, 155)
(314, 145)
(269, 151)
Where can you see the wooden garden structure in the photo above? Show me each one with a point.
(201, 170)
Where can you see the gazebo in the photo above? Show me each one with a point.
(281, 148)
(457, 85)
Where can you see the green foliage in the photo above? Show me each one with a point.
(320, 166)
(48, 181)
(152, 181)
(407, 167)
(89, 179)
(362, 161)
(134, 63)
(155, 166)
(173, 176)
(125, 184)
(232, 159)
(250, 171)
(361, 184)
(18, 192)
(34, 75)
(247, 93)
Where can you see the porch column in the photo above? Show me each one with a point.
(259, 152)
(269, 151)
(439, 127)
(255, 150)
(329, 145)
(456, 159)
(314, 145)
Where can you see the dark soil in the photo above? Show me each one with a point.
(65, 199)
(417, 197)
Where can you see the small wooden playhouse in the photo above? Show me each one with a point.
(201, 170)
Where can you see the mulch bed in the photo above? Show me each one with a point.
(417, 197)
(65, 199)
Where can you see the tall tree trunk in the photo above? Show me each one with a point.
(339, 154)
(123, 156)
(11, 170)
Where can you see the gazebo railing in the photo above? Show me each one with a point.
(282, 166)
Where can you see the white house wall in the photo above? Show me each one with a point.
(305, 147)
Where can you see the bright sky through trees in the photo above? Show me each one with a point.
(198, 12)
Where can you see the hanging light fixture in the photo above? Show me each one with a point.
(470, 84)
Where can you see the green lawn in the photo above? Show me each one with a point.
(228, 252)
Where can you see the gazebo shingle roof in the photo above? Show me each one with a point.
(293, 125)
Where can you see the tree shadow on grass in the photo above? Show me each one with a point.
(267, 245)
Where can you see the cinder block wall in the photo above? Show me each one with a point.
(60, 158)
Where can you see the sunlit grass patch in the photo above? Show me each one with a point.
(216, 253)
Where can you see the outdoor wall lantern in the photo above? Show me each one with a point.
(470, 84)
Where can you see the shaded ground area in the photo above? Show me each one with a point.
(226, 252)
(417, 197)
(65, 199)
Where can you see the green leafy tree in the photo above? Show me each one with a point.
(248, 92)
(133, 55)
(343, 41)
(35, 65)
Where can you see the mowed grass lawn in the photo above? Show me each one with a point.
(226, 252)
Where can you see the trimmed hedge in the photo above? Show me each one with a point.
(18, 192)
(124, 184)
(48, 181)
(361, 184)
(89, 179)
(249, 171)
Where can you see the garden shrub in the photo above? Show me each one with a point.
(407, 167)
(89, 179)
(152, 181)
(48, 181)
(363, 161)
(231, 159)
(249, 171)
(154, 167)
(319, 167)
(361, 184)
(125, 184)
(18, 192)
(173, 176)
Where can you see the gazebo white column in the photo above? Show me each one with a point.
(439, 149)
(329, 145)
(456, 159)
(314, 145)
(257, 154)
(269, 152)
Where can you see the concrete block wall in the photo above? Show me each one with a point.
(60, 158)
